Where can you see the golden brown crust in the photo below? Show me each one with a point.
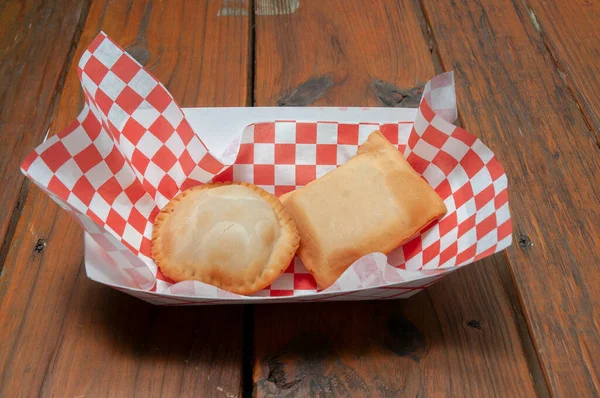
(254, 276)
(373, 203)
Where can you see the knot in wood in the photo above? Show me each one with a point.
(40, 245)
(404, 338)
(524, 241)
(307, 92)
(475, 324)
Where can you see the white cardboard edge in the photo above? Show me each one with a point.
(218, 127)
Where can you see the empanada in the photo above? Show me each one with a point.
(372, 203)
(235, 236)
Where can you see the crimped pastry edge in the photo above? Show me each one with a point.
(281, 255)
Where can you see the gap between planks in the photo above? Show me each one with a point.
(247, 387)
(248, 351)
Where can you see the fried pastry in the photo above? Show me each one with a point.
(373, 203)
(235, 236)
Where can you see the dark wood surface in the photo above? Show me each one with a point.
(521, 323)
(552, 160)
(64, 335)
(426, 337)
(37, 43)
(570, 32)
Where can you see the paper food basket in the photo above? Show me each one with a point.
(132, 149)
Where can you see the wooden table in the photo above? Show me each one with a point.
(523, 322)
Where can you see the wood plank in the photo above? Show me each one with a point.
(36, 46)
(455, 339)
(511, 94)
(459, 338)
(64, 335)
(571, 33)
(337, 66)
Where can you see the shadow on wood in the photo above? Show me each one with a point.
(443, 341)
(179, 350)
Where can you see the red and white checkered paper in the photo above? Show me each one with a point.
(131, 150)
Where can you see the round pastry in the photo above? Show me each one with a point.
(235, 236)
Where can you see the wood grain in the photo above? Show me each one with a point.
(332, 56)
(459, 338)
(455, 339)
(36, 45)
(571, 33)
(63, 335)
(511, 94)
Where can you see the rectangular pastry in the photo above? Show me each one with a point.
(372, 203)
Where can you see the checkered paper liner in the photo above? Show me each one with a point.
(131, 150)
